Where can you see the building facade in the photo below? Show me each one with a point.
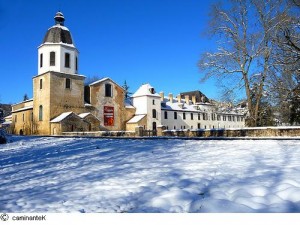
(63, 103)
(194, 111)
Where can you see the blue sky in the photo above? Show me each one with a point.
(140, 41)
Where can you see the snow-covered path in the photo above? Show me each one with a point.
(118, 175)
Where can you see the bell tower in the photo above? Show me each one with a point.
(57, 88)
(57, 52)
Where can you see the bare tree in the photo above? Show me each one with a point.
(244, 29)
(286, 81)
(91, 79)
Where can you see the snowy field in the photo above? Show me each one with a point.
(118, 175)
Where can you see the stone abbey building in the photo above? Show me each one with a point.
(62, 103)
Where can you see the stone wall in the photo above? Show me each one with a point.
(244, 132)
(102, 134)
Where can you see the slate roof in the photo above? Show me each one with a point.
(197, 93)
(58, 34)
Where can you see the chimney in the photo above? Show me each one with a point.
(162, 96)
(194, 99)
(187, 99)
(170, 97)
(179, 98)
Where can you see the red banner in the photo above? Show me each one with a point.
(108, 115)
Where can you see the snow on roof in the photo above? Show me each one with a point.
(105, 79)
(59, 26)
(182, 106)
(58, 43)
(23, 109)
(145, 90)
(7, 123)
(136, 118)
(83, 115)
(69, 74)
(61, 117)
(29, 100)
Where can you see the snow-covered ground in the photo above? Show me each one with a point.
(44, 174)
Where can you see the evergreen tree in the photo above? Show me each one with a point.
(25, 98)
(126, 88)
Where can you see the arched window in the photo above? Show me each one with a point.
(40, 113)
(108, 90)
(154, 113)
(67, 60)
(52, 58)
(41, 60)
(175, 115)
(166, 115)
(41, 83)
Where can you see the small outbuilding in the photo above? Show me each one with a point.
(68, 122)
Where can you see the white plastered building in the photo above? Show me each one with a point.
(180, 112)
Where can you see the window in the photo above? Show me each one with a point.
(203, 116)
(153, 113)
(67, 60)
(108, 90)
(224, 118)
(41, 60)
(183, 116)
(166, 115)
(41, 83)
(76, 63)
(175, 115)
(192, 116)
(213, 116)
(153, 102)
(238, 119)
(52, 58)
(199, 117)
(199, 125)
(68, 83)
(41, 113)
(229, 118)
(152, 91)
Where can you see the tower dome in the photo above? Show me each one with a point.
(58, 33)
